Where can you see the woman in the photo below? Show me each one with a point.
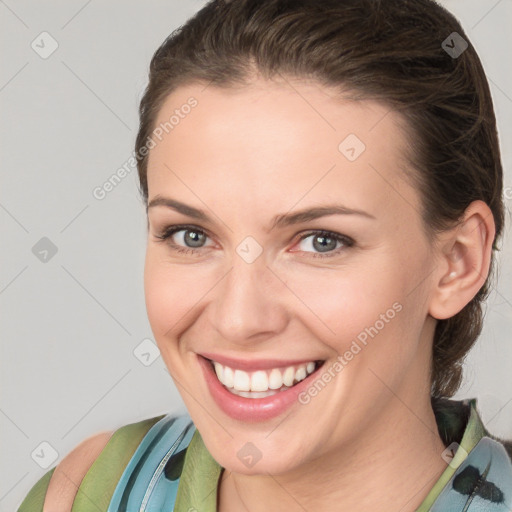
(324, 195)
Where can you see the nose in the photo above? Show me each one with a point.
(249, 303)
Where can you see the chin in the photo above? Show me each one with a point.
(255, 457)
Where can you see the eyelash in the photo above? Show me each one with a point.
(171, 230)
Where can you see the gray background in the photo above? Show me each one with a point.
(70, 324)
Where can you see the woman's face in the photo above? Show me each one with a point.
(252, 284)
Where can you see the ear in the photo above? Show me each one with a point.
(464, 256)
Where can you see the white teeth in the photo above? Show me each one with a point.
(218, 370)
(288, 376)
(275, 380)
(262, 383)
(253, 394)
(227, 377)
(301, 374)
(241, 381)
(259, 381)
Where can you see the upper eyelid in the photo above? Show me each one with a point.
(172, 229)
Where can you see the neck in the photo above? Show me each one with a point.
(385, 469)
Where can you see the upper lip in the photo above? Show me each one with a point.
(254, 364)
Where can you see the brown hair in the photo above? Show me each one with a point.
(391, 51)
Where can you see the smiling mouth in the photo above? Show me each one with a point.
(263, 383)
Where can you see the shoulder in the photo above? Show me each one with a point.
(106, 451)
(71, 470)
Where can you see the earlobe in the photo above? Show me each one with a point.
(464, 262)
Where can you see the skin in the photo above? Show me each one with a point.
(368, 440)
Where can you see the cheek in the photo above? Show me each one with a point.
(175, 294)
(368, 317)
(166, 302)
(167, 308)
(342, 303)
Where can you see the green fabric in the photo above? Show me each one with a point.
(34, 500)
(473, 433)
(99, 483)
(197, 489)
(199, 481)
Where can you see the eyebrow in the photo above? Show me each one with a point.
(279, 221)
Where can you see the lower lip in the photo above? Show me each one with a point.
(251, 409)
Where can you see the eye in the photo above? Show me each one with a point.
(191, 238)
(325, 242)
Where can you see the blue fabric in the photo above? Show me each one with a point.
(144, 486)
(482, 483)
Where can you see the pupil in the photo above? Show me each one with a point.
(324, 247)
(194, 237)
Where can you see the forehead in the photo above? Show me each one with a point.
(278, 142)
